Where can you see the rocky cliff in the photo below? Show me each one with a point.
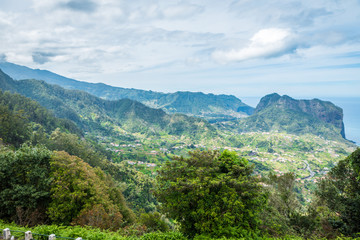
(283, 113)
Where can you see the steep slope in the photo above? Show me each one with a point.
(108, 117)
(204, 105)
(22, 119)
(209, 106)
(283, 113)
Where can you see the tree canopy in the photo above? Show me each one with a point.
(24, 184)
(211, 193)
(340, 192)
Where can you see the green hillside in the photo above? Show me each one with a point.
(121, 117)
(276, 113)
(22, 119)
(210, 106)
(97, 166)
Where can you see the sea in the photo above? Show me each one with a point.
(351, 110)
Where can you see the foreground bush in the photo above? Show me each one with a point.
(211, 193)
(90, 233)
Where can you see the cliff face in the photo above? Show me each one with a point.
(324, 111)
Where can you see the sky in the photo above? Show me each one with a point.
(246, 48)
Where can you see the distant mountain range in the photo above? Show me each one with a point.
(107, 117)
(228, 113)
(209, 106)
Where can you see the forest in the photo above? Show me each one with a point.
(52, 175)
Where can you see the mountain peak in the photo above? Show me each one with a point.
(324, 111)
(266, 101)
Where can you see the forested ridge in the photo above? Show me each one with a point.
(108, 117)
(210, 106)
(54, 173)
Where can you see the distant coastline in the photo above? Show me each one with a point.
(351, 106)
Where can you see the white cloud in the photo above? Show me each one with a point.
(265, 43)
(175, 42)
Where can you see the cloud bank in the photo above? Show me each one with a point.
(186, 44)
(266, 43)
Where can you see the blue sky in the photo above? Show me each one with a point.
(241, 47)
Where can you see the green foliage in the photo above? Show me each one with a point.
(96, 115)
(19, 116)
(208, 193)
(193, 103)
(282, 206)
(90, 233)
(137, 186)
(284, 213)
(22, 119)
(73, 145)
(211, 193)
(163, 236)
(65, 188)
(24, 184)
(84, 195)
(340, 192)
(154, 222)
(14, 128)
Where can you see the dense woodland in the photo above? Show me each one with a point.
(52, 172)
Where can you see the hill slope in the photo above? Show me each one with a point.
(209, 106)
(285, 114)
(108, 117)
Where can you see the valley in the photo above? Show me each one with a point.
(133, 142)
(179, 120)
(278, 137)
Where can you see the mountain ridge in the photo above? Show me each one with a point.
(209, 106)
(96, 114)
(273, 113)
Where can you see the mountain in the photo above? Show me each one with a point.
(22, 119)
(285, 114)
(273, 113)
(96, 115)
(209, 106)
(282, 135)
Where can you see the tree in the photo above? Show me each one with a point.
(340, 191)
(25, 184)
(284, 213)
(211, 193)
(84, 195)
(14, 127)
(154, 222)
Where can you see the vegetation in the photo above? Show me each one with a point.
(120, 170)
(211, 193)
(58, 187)
(90, 233)
(25, 191)
(109, 118)
(340, 193)
(197, 104)
(22, 119)
(285, 114)
(85, 195)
